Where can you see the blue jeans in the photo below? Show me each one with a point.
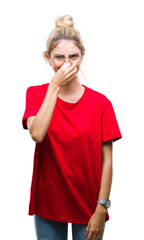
(47, 229)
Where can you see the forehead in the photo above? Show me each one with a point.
(66, 46)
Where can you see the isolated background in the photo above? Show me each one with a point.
(113, 35)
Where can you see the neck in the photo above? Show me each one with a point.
(70, 88)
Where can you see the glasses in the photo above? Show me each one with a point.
(61, 58)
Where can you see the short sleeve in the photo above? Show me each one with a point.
(31, 106)
(110, 128)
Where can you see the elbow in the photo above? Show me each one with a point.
(36, 137)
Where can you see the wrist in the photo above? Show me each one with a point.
(54, 86)
(101, 209)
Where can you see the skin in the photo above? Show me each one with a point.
(73, 88)
(95, 225)
(67, 47)
(64, 83)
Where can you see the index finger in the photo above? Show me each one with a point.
(68, 65)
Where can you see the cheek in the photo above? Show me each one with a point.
(56, 67)
(78, 67)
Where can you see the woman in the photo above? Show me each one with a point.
(73, 127)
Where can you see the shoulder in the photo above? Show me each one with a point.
(36, 92)
(98, 97)
(38, 88)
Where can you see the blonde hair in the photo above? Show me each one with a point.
(64, 29)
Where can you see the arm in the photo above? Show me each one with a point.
(96, 223)
(106, 179)
(40, 123)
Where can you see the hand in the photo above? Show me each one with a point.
(95, 226)
(65, 74)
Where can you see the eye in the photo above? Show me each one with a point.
(74, 56)
(59, 56)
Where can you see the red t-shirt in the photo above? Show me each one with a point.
(67, 164)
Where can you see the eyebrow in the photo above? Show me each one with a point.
(63, 55)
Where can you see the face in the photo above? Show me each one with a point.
(65, 51)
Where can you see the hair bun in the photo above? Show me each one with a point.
(64, 21)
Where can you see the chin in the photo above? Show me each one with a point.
(56, 69)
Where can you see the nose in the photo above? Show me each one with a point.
(67, 60)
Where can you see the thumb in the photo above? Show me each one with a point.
(87, 229)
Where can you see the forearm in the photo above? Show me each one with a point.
(106, 181)
(42, 120)
(106, 177)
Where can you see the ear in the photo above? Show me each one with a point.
(49, 59)
(83, 53)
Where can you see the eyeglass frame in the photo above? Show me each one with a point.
(63, 60)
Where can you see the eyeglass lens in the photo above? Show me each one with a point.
(62, 58)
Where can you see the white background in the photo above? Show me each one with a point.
(113, 35)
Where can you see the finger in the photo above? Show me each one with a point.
(66, 65)
(100, 234)
(74, 71)
(87, 229)
(90, 236)
(95, 236)
(70, 68)
(72, 77)
(69, 65)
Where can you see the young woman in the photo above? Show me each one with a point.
(74, 127)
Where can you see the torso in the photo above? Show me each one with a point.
(74, 98)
